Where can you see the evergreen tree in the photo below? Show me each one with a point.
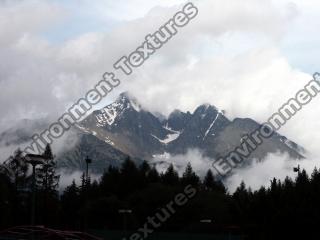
(110, 180)
(170, 177)
(47, 179)
(189, 176)
(302, 179)
(129, 180)
(6, 200)
(288, 184)
(241, 194)
(71, 190)
(85, 183)
(17, 169)
(210, 183)
(70, 203)
(144, 168)
(303, 183)
(315, 180)
(153, 175)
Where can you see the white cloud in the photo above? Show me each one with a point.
(65, 71)
(199, 163)
(275, 165)
(67, 177)
(230, 55)
(22, 17)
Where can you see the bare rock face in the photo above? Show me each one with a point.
(124, 128)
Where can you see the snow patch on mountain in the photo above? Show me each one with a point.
(82, 128)
(211, 125)
(110, 113)
(107, 140)
(107, 116)
(169, 138)
(293, 146)
(135, 106)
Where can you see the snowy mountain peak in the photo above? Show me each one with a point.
(204, 109)
(128, 101)
(175, 113)
(109, 114)
(133, 131)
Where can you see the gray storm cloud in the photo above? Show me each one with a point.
(229, 56)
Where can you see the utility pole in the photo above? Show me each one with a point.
(88, 161)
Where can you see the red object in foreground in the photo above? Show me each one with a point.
(42, 233)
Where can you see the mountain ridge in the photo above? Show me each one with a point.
(141, 134)
(125, 128)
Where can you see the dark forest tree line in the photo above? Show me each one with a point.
(290, 204)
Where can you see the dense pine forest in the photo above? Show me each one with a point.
(290, 207)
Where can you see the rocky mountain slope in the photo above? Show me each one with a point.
(124, 128)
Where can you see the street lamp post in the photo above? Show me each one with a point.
(297, 169)
(125, 212)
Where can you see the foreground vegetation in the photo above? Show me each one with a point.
(288, 207)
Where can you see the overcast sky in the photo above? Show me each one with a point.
(247, 57)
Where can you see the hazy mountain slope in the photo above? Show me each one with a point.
(124, 128)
